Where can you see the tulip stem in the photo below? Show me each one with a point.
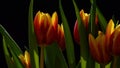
(42, 57)
(115, 61)
(102, 65)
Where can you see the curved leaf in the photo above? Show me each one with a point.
(68, 39)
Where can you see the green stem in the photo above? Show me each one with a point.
(102, 65)
(42, 57)
(115, 61)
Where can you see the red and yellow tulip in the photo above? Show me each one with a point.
(25, 59)
(114, 35)
(85, 19)
(106, 45)
(98, 48)
(45, 27)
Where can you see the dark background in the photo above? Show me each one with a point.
(14, 16)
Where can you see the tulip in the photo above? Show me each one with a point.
(25, 59)
(85, 20)
(113, 35)
(45, 27)
(98, 48)
(61, 38)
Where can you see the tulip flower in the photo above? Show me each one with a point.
(98, 48)
(61, 38)
(85, 19)
(113, 35)
(45, 27)
(25, 59)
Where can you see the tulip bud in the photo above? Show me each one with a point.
(98, 48)
(25, 59)
(85, 21)
(45, 27)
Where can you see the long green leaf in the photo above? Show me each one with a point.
(7, 54)
(33, 48)
(11, 43)
(83, 35)
(54, 57)
(93, 30)
(92, 25)
(102, 20)
(68, 39)
(16, 59)
(97, 65)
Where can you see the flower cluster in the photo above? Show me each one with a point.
(99, 48)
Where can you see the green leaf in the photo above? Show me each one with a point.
(33, 48)
(84, 51)
(115, 62)
(97, 65)
(109, 65)
(16, 59)
(92, 25)
(7, 54)
(54, 57)
(79, 64)
(11, 43)
(68, 39)
(93, 30)
(102, 20)
(116, 22)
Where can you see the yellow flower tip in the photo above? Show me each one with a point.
(85, 18)
(82, 14)
(110, 28)
(62, 28)
(82, 11)
(92, 40)
(48, 19)
(27, 57)
(37, 17)
(54, 18)
(21, 57)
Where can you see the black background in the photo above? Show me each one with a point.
(14, 16)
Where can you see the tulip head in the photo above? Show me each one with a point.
(98, 48)
(25, 59)
(85, 20)
(45, 27)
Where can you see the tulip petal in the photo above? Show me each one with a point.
(116, 45)
(55, 20)
(109, 29)
(76, 33)
(93, 47)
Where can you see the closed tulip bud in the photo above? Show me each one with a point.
(61, 38)
(45, 27)
(85, 20)
(98, 48)
(25, 59)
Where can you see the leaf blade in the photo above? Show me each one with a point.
(33, 48)
(68, 39)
